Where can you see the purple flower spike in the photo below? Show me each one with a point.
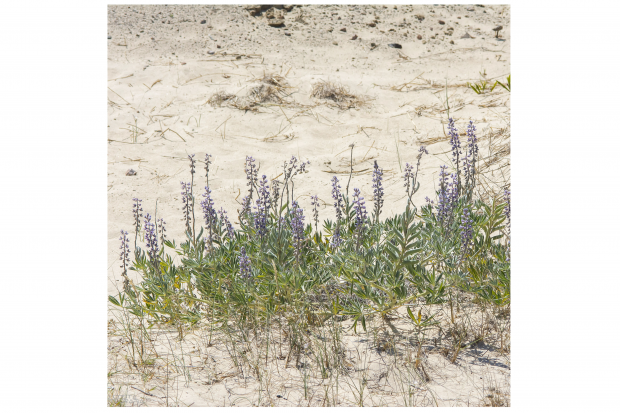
(230, 231)
(466, 232)
(297, 227)
(162, 230)
(245, 265)
(263, 203)
(360, 211)
(455, 142)
(151, 239)
(337, 196)
(137, 213)
(251, 173)
(377, 189)
(192, 163)
(315, 211)
(209, 214)
(186, 196)
(124, 251)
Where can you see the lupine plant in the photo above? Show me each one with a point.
(355, 268)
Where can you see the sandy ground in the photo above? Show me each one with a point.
(166, 62)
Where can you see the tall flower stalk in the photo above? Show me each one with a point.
(186, 197)
(297, 229)
(455, 142)
(207, 163)
(338, 204)
(245, 265)
(315, 211)
(466, 233)
(230, 231)
(377, 190)
(151, 240)
(411, 178)
(137, 213)
(263, 203)
(210, 216)
(192, 169)
(162, 230)
(125, 258)
(469, 160)
(360, 215)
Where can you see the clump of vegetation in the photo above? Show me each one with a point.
(436, 275)
(337, 93)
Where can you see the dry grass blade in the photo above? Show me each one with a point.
(339, 94)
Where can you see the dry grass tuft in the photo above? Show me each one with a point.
(272, 89)
(339, 94)
(220, 97)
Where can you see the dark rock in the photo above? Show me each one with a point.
(109, 37)
(372, 24)
(130, 172)
(419, 37)
(344, 29)
(395, 45)
(354, 37)
(287, 34)
(203, 22)
(442, 22)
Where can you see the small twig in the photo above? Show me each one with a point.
(148, 394)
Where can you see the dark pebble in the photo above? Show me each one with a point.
(395, 45)
(203, 22)
(419, 37)
(354, 37)
(442, 22)
(109, 37)
(344, 29)
(131, 172)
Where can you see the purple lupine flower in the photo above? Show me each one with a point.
(209, 214)
(263, 203)
(207, 163)
(245, 265)
(411, 178)
(443, 201)
(245, 209)
(360, 211)
(377, 189)
(336, 240)
(137, 213)
(162, 230)
(192, 163)
(466, 232)
(337, 196)
(251, 173)
(297, 228)
(124, 251)
(315, 210)
(124, 258)
(471, 156)
(229, 228)
(186, 194)
(275, 187)
(455, 142)
(151, 239)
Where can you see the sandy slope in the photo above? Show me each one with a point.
(161, 76)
